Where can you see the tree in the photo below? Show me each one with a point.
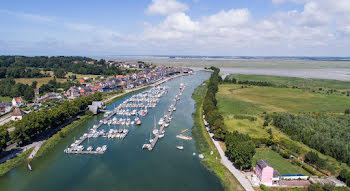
(28, 94)
(347, 111)
(240, 149)
(313, 158)
(3, 138)
(34, 84)
(315, 187)
(60, 73)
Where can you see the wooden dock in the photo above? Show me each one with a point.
(156, 138)
(85, 152)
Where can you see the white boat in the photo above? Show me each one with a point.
(161, 121)
(89, 148)
(185, 137)
(29, 167)
(180, 147)
(161, 135)
(201, 156)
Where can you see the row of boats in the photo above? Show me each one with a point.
(163, 122)
(129, 112)
(122, 121)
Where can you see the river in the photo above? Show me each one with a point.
(125, 166)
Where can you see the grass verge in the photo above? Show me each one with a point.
(12, 163)
(205, 145)
(56, 138)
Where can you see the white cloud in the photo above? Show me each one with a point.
(231, 18)
(33, 17)
(166, 7)
(286, 1)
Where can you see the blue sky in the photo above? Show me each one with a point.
(176, 27)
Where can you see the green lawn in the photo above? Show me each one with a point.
(282, 165)
(291, 81)
(253, 128)
(254, 100)
(6, 99)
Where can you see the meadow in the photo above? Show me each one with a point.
(256, 100)
(292, 81)
(45, 80)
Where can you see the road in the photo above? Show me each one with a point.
(228, 164)
(5, 119)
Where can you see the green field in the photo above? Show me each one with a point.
(291, 81)
(283, 166)
(45, 80)
(253, 128)
(255, 100)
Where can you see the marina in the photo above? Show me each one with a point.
(136, 106)
(123, 165)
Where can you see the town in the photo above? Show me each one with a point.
(110, 87)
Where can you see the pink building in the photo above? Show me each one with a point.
(265, 172)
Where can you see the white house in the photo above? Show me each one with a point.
(17, 102)
(17, 114)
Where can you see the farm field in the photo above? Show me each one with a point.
(40, 81)
(45, 80)
(255, 100)
(282, 165)
(292, 81)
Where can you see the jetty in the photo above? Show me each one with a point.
(167, 118)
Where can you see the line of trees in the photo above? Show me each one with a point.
(232, 80)
(21, 72)
(35, 124)
(9, 88)
(22, 66)
(328, 134)
(240, 148)
(212, 114)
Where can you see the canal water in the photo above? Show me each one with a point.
(125, 166)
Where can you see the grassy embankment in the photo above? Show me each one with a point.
(56, 138)
(12, 163)
(205, 145)
(254, 101)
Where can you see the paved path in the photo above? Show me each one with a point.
(226, 162)
(36, 149)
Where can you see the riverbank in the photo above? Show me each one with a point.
(14, 162)
(206, 147)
